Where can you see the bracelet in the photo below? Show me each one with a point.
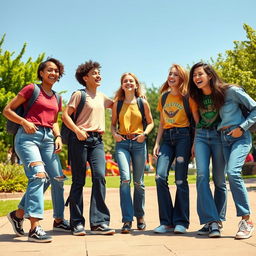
(58, 136)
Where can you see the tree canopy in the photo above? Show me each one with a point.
(238, 66)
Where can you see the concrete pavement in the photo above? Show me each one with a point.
(138, 242)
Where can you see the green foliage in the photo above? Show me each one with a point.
(238, 66)
(152, 97)
(109, 143)
(14, 74)
(12, 178)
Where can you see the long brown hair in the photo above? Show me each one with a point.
(183, 86)
(217, 86)
(120, 95)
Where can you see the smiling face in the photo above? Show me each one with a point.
(50, 74)
(201, 78)
(129, 83)
(93, 78)
(173, 78)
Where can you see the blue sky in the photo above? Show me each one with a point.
(140, 36)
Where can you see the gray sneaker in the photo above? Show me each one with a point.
(214, 230)
(78, 230)
(102, 229)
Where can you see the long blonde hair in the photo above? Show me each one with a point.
(183, 74)
(120, 95)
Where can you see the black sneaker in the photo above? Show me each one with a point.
(61, 226)
(102, 229)
(78, 230)
(141, 225)
(214, 230)
(126, 229)
(204, 230)
(39, 236)
(17, 223)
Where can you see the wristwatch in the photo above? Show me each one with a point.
(145, 134)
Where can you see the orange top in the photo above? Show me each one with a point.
(173, 113)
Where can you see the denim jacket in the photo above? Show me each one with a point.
(231, 114)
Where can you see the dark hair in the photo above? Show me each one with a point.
(216, 85)
(83, 69)
(42, 66)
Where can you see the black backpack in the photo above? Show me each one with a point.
(13, 127)
(65, 131)
(187, 110)
(141, 109)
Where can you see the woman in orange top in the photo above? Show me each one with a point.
(131, 147)
(174, 131)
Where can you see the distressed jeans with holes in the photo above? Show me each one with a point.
(39, 147)
(176, 145)
(131, 152)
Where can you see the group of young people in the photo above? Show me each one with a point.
(199, 116)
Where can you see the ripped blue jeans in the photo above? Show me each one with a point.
(130, 153)
(39, 147)
(176, 145)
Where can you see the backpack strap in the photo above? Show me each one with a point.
(187, 107)
(142, 111)
(32, 99)
(118, 109)
(164, 97)
(80, 105)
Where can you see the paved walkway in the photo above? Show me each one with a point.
(137, 243)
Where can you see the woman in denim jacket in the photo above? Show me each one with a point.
(237, 142)
(37, 143)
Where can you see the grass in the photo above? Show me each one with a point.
(7, 206)
(114, 181)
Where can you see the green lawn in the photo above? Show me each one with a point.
(7, 206)
(114, 181)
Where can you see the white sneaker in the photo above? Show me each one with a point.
(163, 229)
(179, 229)
(245, 229)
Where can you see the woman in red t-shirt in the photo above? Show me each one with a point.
(37, 143)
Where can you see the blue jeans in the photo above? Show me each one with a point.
(91, 150)
(208, 146)
(235, 152)
(39, 147)
(129, 151)
(176, 144)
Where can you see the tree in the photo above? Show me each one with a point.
(14, 74)
(238, 66)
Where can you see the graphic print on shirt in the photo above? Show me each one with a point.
(208, 114)
(171, 111)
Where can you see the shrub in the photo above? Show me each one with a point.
(12, 178)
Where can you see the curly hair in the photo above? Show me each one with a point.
(183, 86)
(83, 69)
(120, 95)
(42, 66)
(217, 86)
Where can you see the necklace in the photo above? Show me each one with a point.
(49, 93)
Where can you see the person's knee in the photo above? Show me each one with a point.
(38, 168)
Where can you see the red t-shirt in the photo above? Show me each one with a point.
(44, 110)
